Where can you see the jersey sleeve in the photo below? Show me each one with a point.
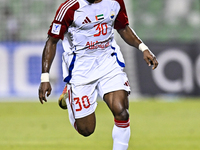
(122, 19)
(63, 19)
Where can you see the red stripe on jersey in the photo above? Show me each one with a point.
(64, 9)
(122, 123)
(64, 16)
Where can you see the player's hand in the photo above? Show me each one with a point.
(44, 89)
(150, 59)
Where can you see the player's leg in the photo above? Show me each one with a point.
(114, 89)
(118, 103)
(81, 104)
(86, 125)
(80, 101)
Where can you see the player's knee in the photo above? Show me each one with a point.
(122, 115)
(86, 131)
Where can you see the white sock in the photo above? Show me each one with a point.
(121, 135)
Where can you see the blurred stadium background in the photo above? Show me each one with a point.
(171, 29)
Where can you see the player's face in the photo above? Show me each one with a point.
(91, 1)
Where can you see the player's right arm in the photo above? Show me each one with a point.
(62, 20)
(48, 55)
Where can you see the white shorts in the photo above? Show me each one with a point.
(82, 98)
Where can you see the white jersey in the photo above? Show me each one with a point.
(88, 38)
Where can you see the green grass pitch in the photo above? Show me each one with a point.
(155, 125)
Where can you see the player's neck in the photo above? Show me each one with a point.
(97, 1)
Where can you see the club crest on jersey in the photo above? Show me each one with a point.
(56, 28)
(112, 15)
(99, 17)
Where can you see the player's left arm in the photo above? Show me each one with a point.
(130, 37)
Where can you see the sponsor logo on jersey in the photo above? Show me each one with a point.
(95, 45)
(112, 15)
(56, 28)
(86, 20)
(99, 17)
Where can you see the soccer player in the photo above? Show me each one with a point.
(92, 63)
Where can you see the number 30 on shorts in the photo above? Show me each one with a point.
(82, 103)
